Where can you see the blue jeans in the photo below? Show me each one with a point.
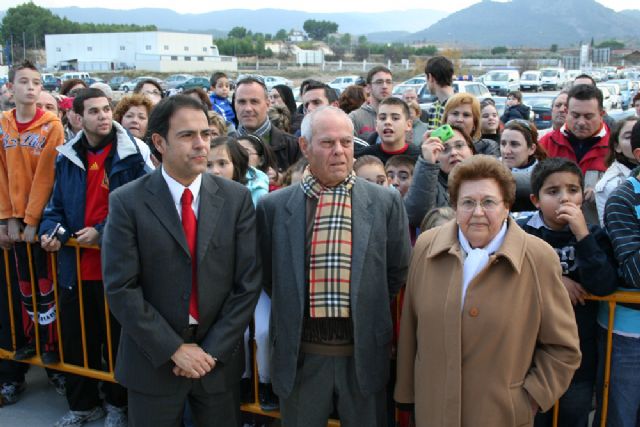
(624, 384)
(575, 406)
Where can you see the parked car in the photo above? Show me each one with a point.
(131, 85)
(607, 101)
(626, 91)
(501, 82)
(341, 83)
(271, 81)
(614, 90)
(116, 81)
(531, 80)
(50, 82)
(541, 109)
(194, 82)
(553, 78)
(75, 75)
(176, 79)
(92, 80)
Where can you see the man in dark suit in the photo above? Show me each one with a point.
(251, 101)
(335, 250)
(182, 274)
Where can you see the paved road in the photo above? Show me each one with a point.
(39, 405)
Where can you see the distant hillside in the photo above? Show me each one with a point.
(387, 36)
(533, 23)
(261, 20)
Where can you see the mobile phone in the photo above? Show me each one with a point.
(444, 132)
(57, 231)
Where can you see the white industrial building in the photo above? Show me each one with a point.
(158, 51)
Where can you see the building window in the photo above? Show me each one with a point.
(174, 58)
(89, 48)
(122, 48)
(204, 49)
(148, 47)
(200, 58)
(187, 58)
(186, 48)
(166, 47)
(58, 49)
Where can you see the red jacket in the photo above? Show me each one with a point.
(557, 145)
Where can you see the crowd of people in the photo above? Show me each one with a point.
(312, 229)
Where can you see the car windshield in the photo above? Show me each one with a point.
(549, 73)
(498, 77)
(542, 102)
(530, 77)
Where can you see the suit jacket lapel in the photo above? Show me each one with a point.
(161, 205)
(360, 231)
(296, 229)
(209, 215)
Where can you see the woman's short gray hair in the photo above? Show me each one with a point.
(306, 128)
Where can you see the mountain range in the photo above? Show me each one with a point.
(518, 23)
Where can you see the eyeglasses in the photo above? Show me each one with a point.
(470, 205)
(388, 82)
(520, 122)
(459, 146)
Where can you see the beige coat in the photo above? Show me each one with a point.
(515, 336)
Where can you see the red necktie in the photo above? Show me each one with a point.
(190, 226)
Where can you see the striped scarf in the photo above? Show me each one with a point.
(330, 257)
(264, 129)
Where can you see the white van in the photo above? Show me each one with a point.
(553, 78)
(501, 82)
(531, 80)
(75, 75)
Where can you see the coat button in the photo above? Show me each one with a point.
(474, 312)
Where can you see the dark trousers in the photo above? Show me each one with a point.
(319, 381)
(82, 392)
(44, 294)
(10, 371)
(575, 406)
(207, 409)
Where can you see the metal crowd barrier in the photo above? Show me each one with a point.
(84, 370)
(253, 407)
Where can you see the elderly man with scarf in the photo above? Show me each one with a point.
(251, 101)
(336, 250)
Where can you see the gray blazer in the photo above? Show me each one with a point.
(379, 265)
(147, 276)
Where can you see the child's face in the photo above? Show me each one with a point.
(400, 177)
(514, 150)
(624, 141)
(373, 173)
(222, 87)
(559, 188)
(26, 86)
(489, 121)
(219, 162)
(392, 125)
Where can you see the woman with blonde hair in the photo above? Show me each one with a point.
(463, 109)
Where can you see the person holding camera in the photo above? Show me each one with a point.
(99, 159)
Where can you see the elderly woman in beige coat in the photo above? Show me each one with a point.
(488, 334)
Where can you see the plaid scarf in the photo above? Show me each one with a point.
(330, 258)
(264, 129)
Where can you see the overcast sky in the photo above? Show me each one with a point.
(192, 6)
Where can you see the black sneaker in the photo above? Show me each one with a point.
(26, 352)
(268, 399)
(59, 382)
(49, 357)
(10, 392)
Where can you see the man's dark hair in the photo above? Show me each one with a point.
(392, 100)
(213, 81)
(585, 93)
(635, 136)
(84, 94)
(138, 88)
(162, 113)
(441, 68)
(585, 76)
(24, 65)
(516, 94)
(375, 70)
(329, 92)
(546, 167)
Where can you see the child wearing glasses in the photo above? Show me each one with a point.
(588, 267)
